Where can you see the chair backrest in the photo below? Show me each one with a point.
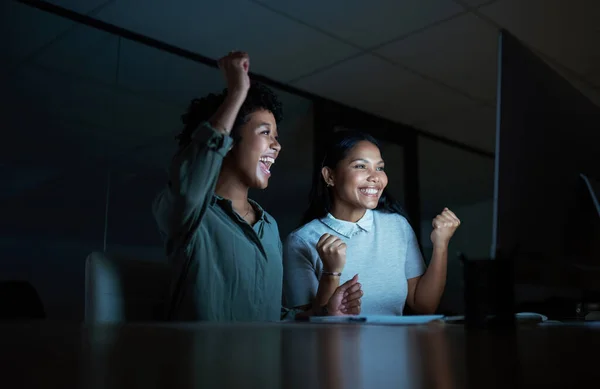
(120, 289)
(20, 301)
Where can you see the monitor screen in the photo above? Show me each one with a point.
(547, 136)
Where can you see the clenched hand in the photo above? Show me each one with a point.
(332, 251)
(444, 226)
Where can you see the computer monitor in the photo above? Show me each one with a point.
(584, 240)
(546, 163)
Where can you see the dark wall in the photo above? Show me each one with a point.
(49, 230)
(56, 211)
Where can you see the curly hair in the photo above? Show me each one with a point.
(200, 110)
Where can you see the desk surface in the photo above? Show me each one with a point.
(68, 355)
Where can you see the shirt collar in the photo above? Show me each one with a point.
(262, 215)
(348, 229)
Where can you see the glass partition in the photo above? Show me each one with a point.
(57, 106)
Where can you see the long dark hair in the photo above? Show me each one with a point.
(336, 149)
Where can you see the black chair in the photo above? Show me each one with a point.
(20, 301)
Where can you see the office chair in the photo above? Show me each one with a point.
(19, 300)
(120, 289)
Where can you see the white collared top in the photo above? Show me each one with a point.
(381, 248)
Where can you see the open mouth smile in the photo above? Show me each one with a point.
(266, 163)
(370, 191)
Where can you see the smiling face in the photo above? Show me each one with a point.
(358, 180)
(256, 150)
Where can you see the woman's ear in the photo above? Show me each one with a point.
(327, 174)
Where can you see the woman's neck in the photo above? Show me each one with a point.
(349, 214)
(230, 187)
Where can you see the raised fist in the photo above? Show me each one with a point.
(444, 226)
(332, 251)
(235, 66)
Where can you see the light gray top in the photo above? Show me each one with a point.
(381, 248)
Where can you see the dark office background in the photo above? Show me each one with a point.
(90, 116)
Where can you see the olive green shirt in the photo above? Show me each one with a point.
(223, 268)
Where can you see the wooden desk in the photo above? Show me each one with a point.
(67, 355)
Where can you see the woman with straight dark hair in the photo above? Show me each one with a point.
(354, 227)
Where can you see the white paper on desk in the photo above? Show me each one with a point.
(377, 319)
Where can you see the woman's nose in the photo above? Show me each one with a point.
(275, 145)
(373, 177)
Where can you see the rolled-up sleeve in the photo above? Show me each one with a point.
(300, 282)
(192, 179)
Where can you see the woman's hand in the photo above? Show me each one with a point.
(332, 251)
(235, 66)
(444, 226)
(346, 299)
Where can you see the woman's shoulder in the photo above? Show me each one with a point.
(390, 217)
(393, 226)
(391, 223)
(309, 233)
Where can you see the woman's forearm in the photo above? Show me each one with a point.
(326, 289)
(431, 286)
(327, 286)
